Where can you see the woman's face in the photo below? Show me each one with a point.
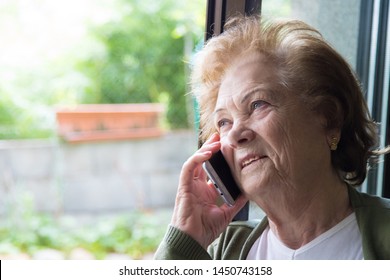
(271, 140)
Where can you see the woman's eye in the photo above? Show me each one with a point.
(257, 104)
(222, 123)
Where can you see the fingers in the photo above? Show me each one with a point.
(192, 167)
(213, 138)
(212, 144)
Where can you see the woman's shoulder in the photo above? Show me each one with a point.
(236, 241)
(244, 229)
(248, 224)
(363, 200)
(373, 218)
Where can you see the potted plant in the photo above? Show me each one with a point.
(97, 122)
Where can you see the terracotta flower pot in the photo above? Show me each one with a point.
(94, 122)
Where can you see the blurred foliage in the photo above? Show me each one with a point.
(138, 53)
(27, 231)
(19, 120)
(145, 57)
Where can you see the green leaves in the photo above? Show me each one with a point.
(123, 51)
(145, 54)
(135, 234)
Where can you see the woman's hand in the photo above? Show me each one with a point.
(196, 212)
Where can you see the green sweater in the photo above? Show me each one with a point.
(372, 215)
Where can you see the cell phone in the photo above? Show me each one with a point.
(220, 174)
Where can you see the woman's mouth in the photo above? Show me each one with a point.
(249, 161)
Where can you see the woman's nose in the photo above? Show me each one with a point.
(240, 135)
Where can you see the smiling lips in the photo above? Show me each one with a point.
(248, 161)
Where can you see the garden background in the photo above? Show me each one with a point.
(111, 199)
(103, 199)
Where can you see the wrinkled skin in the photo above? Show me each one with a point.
(278, 150)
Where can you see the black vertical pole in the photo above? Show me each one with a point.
(364, 42)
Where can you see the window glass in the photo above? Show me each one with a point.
(337, 20)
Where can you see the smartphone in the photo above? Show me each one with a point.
(220, 174)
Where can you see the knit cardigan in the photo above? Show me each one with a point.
(372, 215)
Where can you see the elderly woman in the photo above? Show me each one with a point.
(289, 116)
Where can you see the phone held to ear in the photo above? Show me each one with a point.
(219, 173)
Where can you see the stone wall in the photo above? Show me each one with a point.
(93, 177)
